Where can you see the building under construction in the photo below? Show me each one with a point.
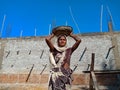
(24, 62)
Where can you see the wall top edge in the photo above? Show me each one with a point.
(40, 37)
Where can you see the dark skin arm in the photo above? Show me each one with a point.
(49, 43)
(78, 41)
(74, 47)
(51, 46)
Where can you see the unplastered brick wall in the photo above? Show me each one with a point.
(18, 55)
(36, 81)
(79, 79)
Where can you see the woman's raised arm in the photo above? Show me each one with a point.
(78, 41)
(49, 43)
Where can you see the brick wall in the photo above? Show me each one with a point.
(17, 55)
(40, 82)
(35, 81)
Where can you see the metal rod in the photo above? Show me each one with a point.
(83, 53)
(41, 54)
(17, 52)
(109, 51)
(43, 69)
(35, 32)
(21, 33)
(74, 19)
(74, 68)
(105, 65)
(49, 29)
(66, 23)
(8, 30)
(101, 16)
(111, 19)
(30, 52)
(88, 67)
(7, 54)
(79, 59)
(30, 73)
(2, 26)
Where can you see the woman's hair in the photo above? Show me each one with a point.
(60, 37)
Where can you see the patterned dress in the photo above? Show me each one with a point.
(60, 74)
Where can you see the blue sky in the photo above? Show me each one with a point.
(24, 17)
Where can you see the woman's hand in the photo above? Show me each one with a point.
(71, 34)
(77, 39)
(48, 41)
(52, 34)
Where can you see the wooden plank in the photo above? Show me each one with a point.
(104, 71)
(94, 80)
(107, 71)
(90, 83)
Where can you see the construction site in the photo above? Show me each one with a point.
(24, 62)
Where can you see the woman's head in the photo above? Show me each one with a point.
(61, 40)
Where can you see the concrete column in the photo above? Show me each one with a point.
(2, 45)
(116, 52)
(114, 42)
(110, 28)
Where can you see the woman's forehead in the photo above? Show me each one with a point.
(62, 37)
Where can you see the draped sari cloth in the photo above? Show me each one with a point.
(60, 77)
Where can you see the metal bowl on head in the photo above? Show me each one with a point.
(62, 30)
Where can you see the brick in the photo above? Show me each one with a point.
(22, 78)
(18, 87)
(34, 78)
(30, 88)
(78, 79)
(4, 88)
(41, 88)
(87, 79)
(44, 78)
(12, 78)
(3, 78)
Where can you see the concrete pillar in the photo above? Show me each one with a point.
(116, 52)
(114, 42)
(2, 45)
(110, 27)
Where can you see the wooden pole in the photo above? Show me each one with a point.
(94, 80)
(91, 69)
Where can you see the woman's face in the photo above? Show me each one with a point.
(62, 41)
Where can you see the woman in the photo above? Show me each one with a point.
(60, 78)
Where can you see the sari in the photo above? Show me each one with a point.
(60, 75)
